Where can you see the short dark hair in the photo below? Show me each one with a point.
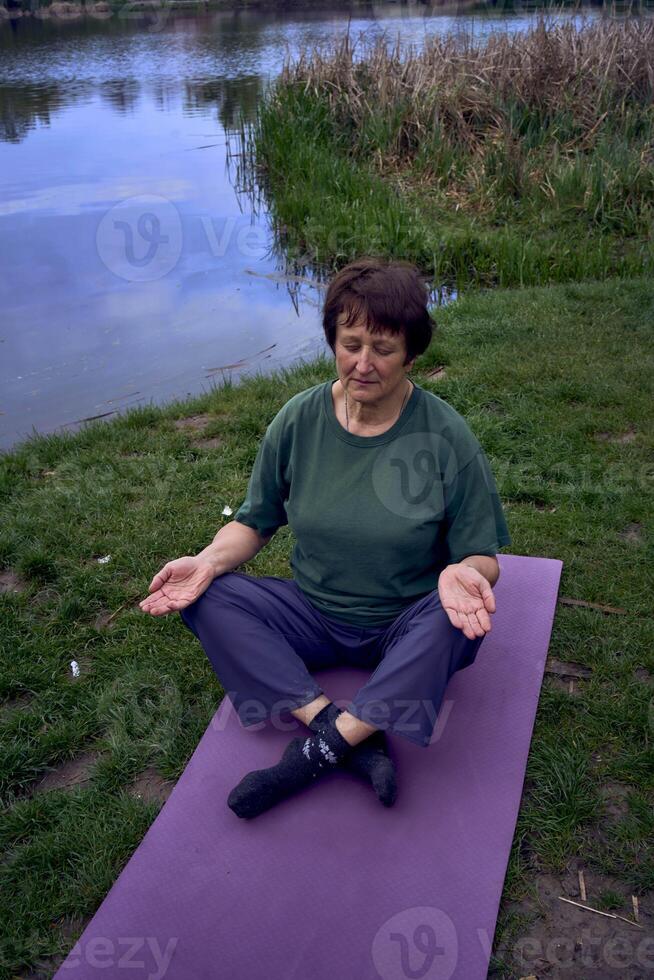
(388, 294)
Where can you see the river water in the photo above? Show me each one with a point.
(132, 268)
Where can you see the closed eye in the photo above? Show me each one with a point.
(384, 353)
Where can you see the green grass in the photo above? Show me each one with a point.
(476, 164)
(545, 376)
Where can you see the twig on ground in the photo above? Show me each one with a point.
(591, 605)
(611, 915)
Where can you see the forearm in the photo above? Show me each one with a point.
(234, 544)
(488, 567)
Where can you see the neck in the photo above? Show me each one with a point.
(381, 412)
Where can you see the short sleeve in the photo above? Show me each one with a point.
(263, 508)
(475, 522)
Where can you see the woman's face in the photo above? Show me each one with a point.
(370, 366)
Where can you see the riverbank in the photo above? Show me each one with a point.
(524, 160)
(65, 10)
(557, 384)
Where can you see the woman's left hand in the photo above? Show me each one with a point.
(467, 598)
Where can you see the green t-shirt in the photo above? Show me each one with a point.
(375, 518)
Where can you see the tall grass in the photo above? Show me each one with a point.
(519, 159)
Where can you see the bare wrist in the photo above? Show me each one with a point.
(486, 566)
(213, 559)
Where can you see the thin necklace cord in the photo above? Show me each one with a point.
(347, 417)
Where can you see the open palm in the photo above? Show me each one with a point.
(177, 585)
(467, 598)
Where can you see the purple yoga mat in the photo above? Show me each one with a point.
(330, 883)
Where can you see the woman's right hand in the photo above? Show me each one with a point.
(177, 585)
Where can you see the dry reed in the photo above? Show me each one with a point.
(464, 87)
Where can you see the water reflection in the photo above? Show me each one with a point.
(121, 93)
(231, 98)
(23, 106)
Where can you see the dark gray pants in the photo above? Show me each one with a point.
(263, 637)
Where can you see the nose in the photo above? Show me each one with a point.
(363, 363)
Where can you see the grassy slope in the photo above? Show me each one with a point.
(547, 377)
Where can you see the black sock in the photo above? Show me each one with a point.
(304, 759)
(368, 759)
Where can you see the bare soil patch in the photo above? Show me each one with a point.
(614, 796)
(215, 443)
(11, 705)
(104, 620)
(71, 929)
(10, 581)
(151, 787)
(571, 686)
(73, 772)
(569, 677)
(633, 533)
(45, 595)
(561, 668)
(194, 423)
(564, 941)
(622, 438)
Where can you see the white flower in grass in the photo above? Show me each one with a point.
(227, 510)
(74, 666)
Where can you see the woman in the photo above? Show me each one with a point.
(397, 524)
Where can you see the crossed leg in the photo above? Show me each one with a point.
(263, 638)
(351, 728)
